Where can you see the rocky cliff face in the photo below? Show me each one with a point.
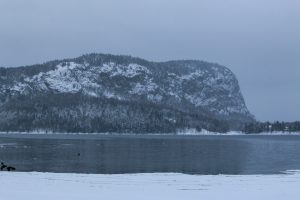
(100, 93)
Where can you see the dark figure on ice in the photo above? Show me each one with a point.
(2, 167)
(9, 168)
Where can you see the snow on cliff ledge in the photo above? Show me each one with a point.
(198, 83)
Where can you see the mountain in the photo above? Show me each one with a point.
(109, 93)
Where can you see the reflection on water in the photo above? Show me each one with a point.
(136, 154)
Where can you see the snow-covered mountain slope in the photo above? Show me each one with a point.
(187, 86)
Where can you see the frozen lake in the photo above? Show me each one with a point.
(146, 154)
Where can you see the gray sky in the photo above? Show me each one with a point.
(259, 40)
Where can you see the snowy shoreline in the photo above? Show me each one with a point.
(185, 133)
(35, 186)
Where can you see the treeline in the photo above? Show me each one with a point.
(78, 113)
(259, 127)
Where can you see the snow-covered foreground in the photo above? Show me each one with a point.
(36, 186)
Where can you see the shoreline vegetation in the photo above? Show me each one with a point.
(188, 132)
(270, 127)
(257, 128)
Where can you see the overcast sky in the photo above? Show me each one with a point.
(259, 40)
